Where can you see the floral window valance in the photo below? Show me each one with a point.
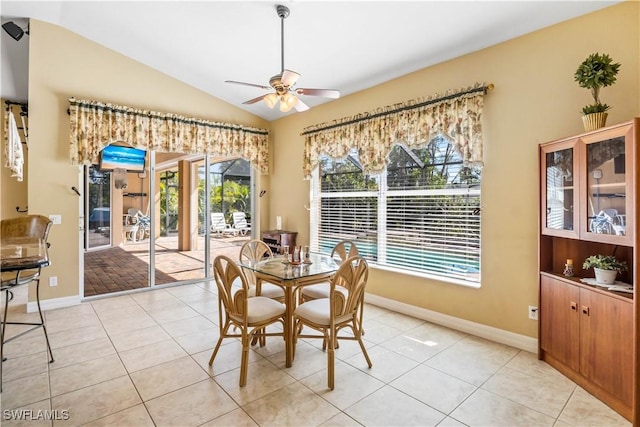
(456, 115)
(95, 125)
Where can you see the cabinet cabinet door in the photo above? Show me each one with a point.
(606, 337)
(560, 321)
(607, 196)
(559, 185)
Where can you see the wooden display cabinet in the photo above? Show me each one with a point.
(588, 198)
(276, 239)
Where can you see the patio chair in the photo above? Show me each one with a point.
(219, 225)
(240, 223)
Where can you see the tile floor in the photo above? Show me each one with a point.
(141, 360)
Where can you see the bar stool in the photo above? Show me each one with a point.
(29, 226)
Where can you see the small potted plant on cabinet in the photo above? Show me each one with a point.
(594, 73)
(606, 268)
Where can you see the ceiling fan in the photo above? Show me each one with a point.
(283, 83)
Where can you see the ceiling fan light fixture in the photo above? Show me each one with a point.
(287, 102)
(271, 100)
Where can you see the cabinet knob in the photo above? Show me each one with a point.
(585, 310)
(574, 306)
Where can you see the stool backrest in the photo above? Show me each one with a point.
(26, 226)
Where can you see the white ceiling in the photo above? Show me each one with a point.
(342, 45)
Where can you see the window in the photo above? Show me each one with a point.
(422, 214)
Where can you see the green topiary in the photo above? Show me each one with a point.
(596, 72)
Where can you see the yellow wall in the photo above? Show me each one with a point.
(535, 100)
(62, 65)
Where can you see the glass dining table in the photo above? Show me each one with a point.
(290, 277)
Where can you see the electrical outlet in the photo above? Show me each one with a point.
(53, 281)
(533, 312)
(56, 219)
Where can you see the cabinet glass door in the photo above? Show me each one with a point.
(606, 187)
(559, 182)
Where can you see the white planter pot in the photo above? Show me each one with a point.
(605, 277)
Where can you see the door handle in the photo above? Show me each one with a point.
(585, 310)
(574, 306)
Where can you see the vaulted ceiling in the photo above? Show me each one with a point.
(342, 45)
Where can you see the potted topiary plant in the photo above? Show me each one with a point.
(596, 72)
(606, 268)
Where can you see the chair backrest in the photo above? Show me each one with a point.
(217, 221)
(234, 300)
(26, 226)
(343, 250)
(353, 275)
(253, 251)
(239, 220)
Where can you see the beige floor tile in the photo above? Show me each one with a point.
(199, 341)
(203, 296)
(136, 416)
(535, 393)
(373, 311)
(399, 321)
(169, 303)
(24, 391)
(79, 310)
(303, 408)
(584, 409)
(529, 364)
(187, 290)
(437, 389)
(472, 359)
(235, 418)
(106, 305)
(209, 309)
(191, 406)
(25, 366)
(487, 409)
(155, 295)
(227, 359)
(451, 422)
(34, 414)
(123, 325)
(351, 385)
(139, 338)
(188, 326)
(378, 332)
(424, 341)
(97, 401)
(263, 377)
(387, 365)
(76, 336)
(31, 343)
(340, 420)
(84, 374)
(308, 360)
(163, 316)
(390, 407)
(59, 324)
(150, 355)
(81, 352)
(167, 377)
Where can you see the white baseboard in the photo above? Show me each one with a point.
(501, 336)
(51, 304)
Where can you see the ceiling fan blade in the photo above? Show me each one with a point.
(247, 84)
(254, 100)
(289, 78)
(301, 106)
(327, 93)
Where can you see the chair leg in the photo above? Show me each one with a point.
(244, 364)
(223, 332)
(331, 360)
(2, 332)
(46, 336)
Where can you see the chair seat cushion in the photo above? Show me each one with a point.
(321, 290)
(262, 308)
(317, 311)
